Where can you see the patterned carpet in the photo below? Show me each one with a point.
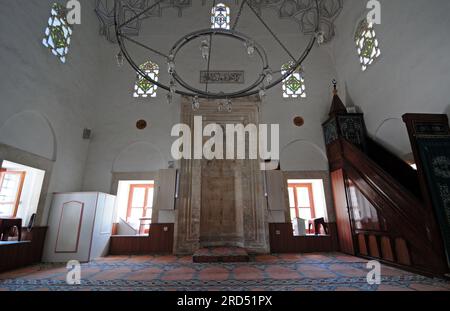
(316, 272)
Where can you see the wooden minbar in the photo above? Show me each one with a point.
(384, 208)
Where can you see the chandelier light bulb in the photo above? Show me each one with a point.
(169, 98)
(229, 106)
(268, 76)
(320, 37)
(172, 87)
(250, 48)
(120, 59)
(262, 93)
(195, 104)
(171, 67)
(204, 48)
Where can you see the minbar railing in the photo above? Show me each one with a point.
(406, 241)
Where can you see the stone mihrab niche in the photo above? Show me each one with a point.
(221, 202)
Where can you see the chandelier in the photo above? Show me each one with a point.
(266, 79)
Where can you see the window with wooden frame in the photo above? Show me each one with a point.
(140, 203)
(301, 200)
(11, 185)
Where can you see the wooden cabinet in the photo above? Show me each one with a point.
(79, 227)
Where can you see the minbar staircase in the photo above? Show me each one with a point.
(366, 176)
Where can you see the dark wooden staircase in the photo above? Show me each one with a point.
(381, 203)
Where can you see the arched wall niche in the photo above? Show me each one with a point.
(30, 131)
(303, 155)
(392, 134)
(141, 156)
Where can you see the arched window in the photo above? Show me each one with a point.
(58, 32)
(143, 87)
(294, 85)
(220, 17)
(366, 44)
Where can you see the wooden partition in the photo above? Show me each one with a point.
(14, 255)
(383, 247)
(159, 241)
(282, 240)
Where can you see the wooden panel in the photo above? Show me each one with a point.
(342, 216)
(362, 245)
(37, 238)
(386, 249)
(282, 240)
(334, 153)
(431, 125)
(373, 246)
(434, 155)
(276, 190)
(69, 227)
(165, 197)
(401, 250)
(397, 168)
(160, 240)
(14, 255)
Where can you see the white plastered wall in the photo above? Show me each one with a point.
(117, 139)
(45, 105)
(411, 76)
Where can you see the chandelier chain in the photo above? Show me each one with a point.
(261, 83)
(144, 46)
(141, 14)
(208, 68)
(271, 32)
(238, 16)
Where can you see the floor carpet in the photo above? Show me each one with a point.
(287, 272)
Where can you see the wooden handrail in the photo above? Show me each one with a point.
(397, 168)
(404, 212)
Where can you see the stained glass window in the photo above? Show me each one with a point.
(220, 17)
(366, 44)
(143, 87)
(58, 32)
(293, 85)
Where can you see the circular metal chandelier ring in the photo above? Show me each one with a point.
(227, 33)
(193, 92)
